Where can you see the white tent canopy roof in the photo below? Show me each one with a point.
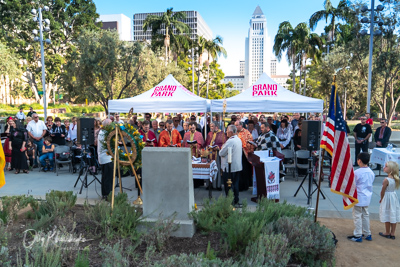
(265, 95)
(167, 96)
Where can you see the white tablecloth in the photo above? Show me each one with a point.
(206, 173)
(382, 155)
(271, 168)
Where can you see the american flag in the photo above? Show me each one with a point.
(336, 143)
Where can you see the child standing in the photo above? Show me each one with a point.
(389, 211)
(47, 153)
(364, 177)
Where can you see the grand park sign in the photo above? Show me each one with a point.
(265, 90)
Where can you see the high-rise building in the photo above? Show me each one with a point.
(258, 48)
(273, 66)
(193, 19)
(119, 22)
(242, 67)
(237, 82)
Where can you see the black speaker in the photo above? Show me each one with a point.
(310, 135)
(85, 133)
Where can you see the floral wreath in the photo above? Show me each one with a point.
(133, 135)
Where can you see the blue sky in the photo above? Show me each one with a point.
(229, 19)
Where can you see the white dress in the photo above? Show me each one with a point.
(389, 210)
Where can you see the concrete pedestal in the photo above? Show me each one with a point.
(168, 186)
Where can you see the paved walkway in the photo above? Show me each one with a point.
(39, 183)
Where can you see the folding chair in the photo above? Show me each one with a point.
(57, 152)
(291, 161)
(302, 155)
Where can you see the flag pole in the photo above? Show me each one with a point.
(321, 161)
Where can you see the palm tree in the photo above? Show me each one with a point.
(201, 46)
(342, 11)
(310, 49)
(214, 49)
(287, 39)
(169, 20)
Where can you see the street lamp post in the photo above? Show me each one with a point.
(47, 41)
(371, 40)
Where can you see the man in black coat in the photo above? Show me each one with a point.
(185, 129)
(382, 136)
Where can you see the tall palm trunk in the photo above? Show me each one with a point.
(166, 43)
(208, 72)
(294, 70)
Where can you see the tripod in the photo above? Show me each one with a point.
(311, 180)
(84, 170)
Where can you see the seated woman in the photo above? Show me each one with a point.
(284, 134)
(58, 132)
(47, 153)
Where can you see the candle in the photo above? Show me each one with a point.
(229, 154)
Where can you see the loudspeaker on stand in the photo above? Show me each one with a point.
(310, 135)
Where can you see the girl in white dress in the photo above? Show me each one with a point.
(389, 211)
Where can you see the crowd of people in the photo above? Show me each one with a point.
(31, 142)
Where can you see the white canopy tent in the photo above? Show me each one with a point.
(167, 96)
(265, 95)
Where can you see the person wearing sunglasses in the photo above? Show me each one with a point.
(117, 119)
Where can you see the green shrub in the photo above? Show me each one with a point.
(193, 260)
(159, 233)
(4, 237)
(12, 204)
(311, 243)
(82, 259)
(39, 256)
(96, 109)
(8, 107)
(267, 250)
(57, 203)
(240, 230)
(114, 256)
(214, 213)
(121, 222)
(33, 105)
(76, 109)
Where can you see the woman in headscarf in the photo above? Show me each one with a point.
(18, 139)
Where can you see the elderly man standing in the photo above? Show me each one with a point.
(245, 136)
(362, 132)
(185, 129)
(235, 144)
(193, 136)
(170, 137)
(215, 139)
(267, 140)
(154, 128)
(382, 136)
(106, 164)
(36, 131)
(177, 126)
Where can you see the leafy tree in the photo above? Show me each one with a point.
(67, 19)
(169, 20)
(289, 39)
(9, 63)
(342, 11)
(104, 68)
